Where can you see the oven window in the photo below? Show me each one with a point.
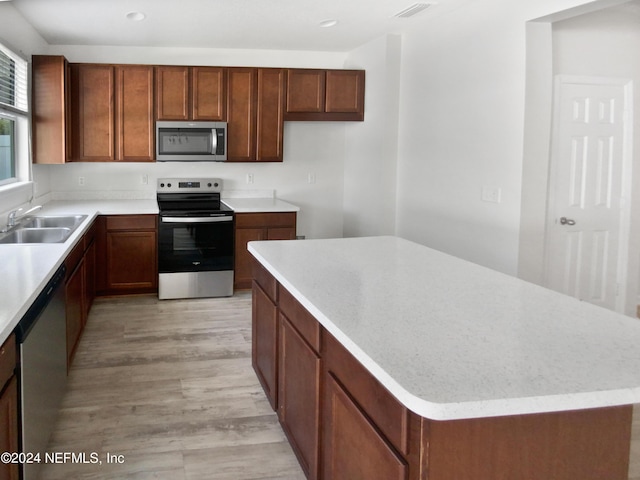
(195, 247)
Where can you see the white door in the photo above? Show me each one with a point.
(590, 178)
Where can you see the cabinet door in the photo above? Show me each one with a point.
(9, 428)
(298, 395)
(208, 93)
(242, 267)
(51, 115)
(93, 110)
(345, 91)
(131, 260)
(271, 91)
(172, 93)
(134, 113)
(352, 446)
(305, 91)
(90, 278)
(241, 114)
(75, 308)
(264, 338)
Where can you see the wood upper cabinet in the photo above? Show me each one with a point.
(112, 113)
(93, 112)
(241, 114)
(255, 114)
(270, 114)
(51, 109)
(134, 113)
(330, 95)
(305, 91)
(191, 93)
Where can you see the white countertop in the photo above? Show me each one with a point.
(26, 269)
(255, 205)
(451, 339)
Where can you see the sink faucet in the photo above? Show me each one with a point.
(16, 215)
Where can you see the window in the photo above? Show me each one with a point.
(13, 115)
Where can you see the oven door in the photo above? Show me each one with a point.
(195, 243)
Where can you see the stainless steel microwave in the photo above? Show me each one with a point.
(185, 141)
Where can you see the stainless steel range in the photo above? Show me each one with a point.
(195, 239)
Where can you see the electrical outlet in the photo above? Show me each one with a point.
(491, 194)
(144, 179)
(249, 177)
(81, 181)
(311, 178)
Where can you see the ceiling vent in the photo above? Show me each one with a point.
(412, 10)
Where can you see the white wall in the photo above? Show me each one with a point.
(372, 147)
(462, 128)
(20, 37)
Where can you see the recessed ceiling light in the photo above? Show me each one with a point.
(136, 16)
(328, 23)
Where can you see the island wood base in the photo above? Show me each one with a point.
(343, 424)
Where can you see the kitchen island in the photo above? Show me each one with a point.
(447, 368)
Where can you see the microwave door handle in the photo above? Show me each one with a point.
(214, 141)
(225, 218)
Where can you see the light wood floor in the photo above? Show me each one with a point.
(169, 385)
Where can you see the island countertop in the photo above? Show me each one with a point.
(451, 339)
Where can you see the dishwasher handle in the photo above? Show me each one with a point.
(39, 304)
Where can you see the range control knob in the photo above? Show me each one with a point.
(216, 184)
(169, 185)
(161, 185)
(209, 184)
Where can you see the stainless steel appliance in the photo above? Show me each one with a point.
(41, 336)
(195, 239)
(191, 141)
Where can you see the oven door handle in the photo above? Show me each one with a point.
(225, 218)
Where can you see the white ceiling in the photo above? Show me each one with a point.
(250, 24)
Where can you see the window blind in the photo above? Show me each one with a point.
(13, 80)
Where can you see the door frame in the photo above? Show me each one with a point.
(627, 175)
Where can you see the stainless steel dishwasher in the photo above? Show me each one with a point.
(42, 337)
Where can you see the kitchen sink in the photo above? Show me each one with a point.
(43, 229)
(36, 235)
(57, 221)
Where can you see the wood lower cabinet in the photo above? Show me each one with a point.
(127, 254)
(343, 423)
(265, 341)
(79, 289)
(258, 226)
(9, 432)
(352, 446)
(299, 379)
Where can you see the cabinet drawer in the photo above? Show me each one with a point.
(74, 257)
(372, 397)
(265, 280)
(300, 318)
(265, 220)
(7, 360)
(131, 222)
